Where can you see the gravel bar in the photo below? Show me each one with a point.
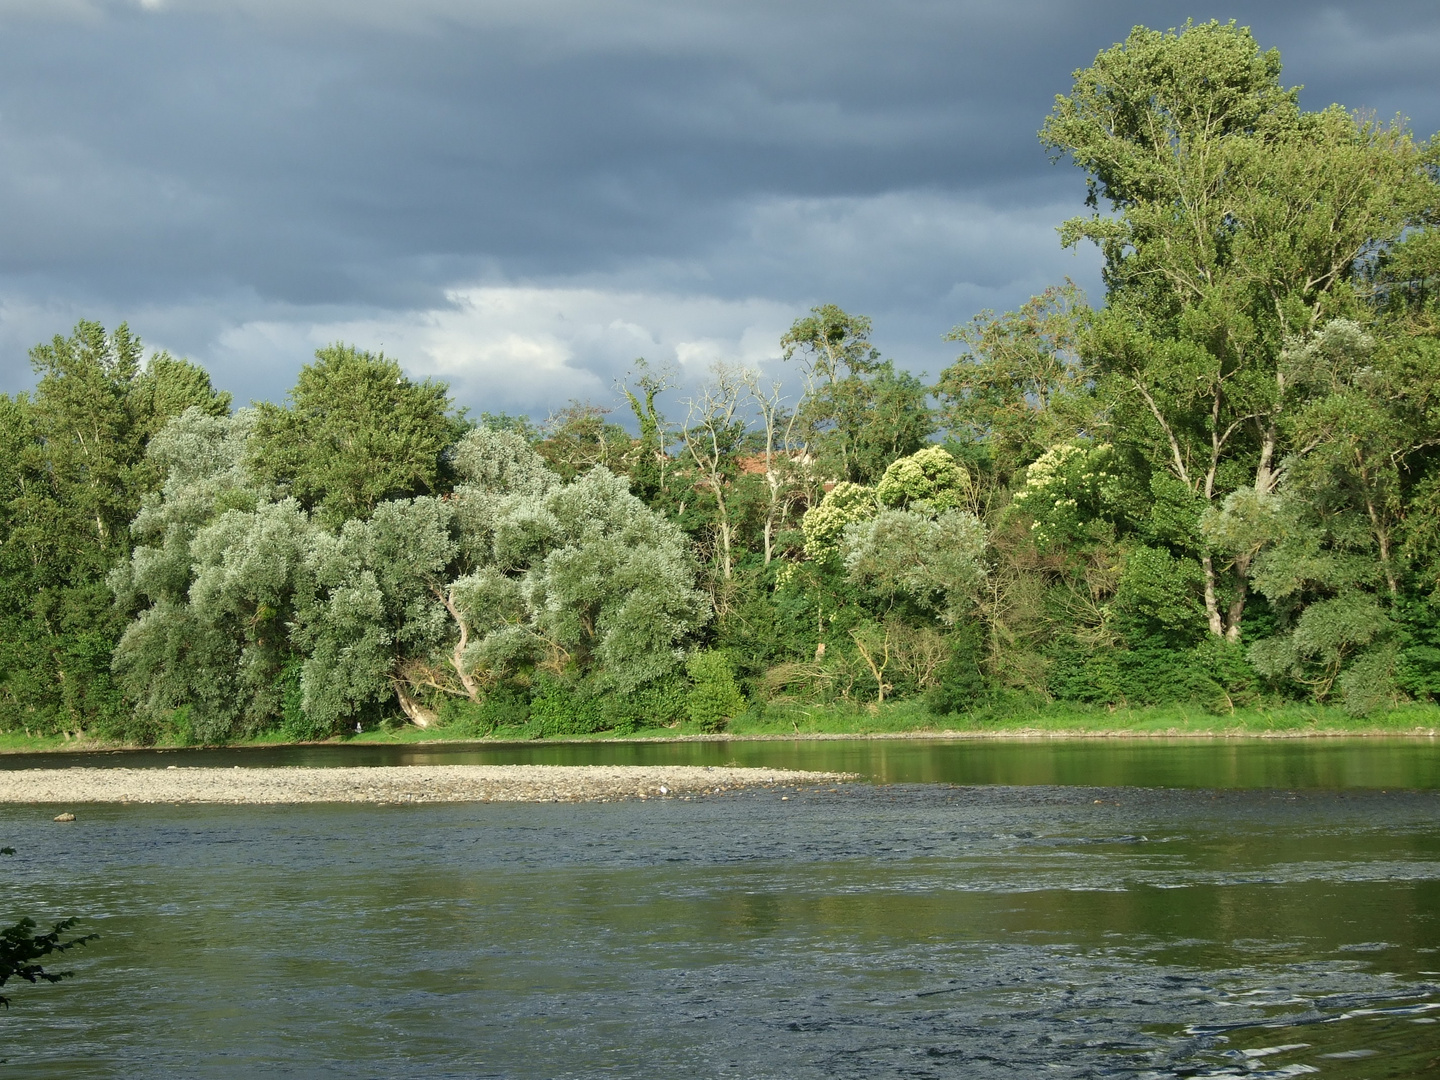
(389, 784)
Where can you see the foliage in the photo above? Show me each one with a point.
(960, 681)
(1071, 494)
(73, 472)
(1237, 223)
(356, 431)
(844, 505)
(714, 698)
(21, 949)
(929, 481)
(579, 437)
(861, 414)
(1218, 486)
(936, 562)
(1016, 390)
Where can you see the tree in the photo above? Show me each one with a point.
(215, 581)
(577, 580)
(356, 431)
(579, 437)
(784, 456)
(376, 607)
(1334, 541)
(73, 475)
(581, 579)
(1237, 222)
(936, 560)
(648, 460)
(861, 414)
(929, 480)
(1371, 409)
(1013, 394)
(711, 436)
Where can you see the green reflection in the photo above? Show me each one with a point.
(1293, 764)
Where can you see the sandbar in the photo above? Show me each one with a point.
(390, 784)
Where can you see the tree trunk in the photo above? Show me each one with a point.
(1212, 602)
(419, 715)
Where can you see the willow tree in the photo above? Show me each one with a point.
(1236, 221)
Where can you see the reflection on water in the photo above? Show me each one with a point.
(873, 931)
(1237, 763)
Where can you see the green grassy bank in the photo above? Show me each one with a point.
(911, 719)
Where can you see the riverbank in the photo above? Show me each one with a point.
(902, 720)
(394, 784)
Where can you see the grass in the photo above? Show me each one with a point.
(910, 718)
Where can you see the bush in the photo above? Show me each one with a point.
(657, 704)
(563, 708)
(714, 699)
(959, 682)
(294, 724)
(503, 707)
(1213, 674)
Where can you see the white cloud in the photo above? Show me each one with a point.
(530, 348)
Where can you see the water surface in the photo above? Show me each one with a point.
(868, 931)
(1310, 764)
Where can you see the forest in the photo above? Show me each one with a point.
(1219, 483)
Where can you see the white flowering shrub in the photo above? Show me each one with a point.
(1069, 491)
(844, 504)
(929, 480)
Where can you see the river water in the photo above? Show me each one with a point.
(1013, 910)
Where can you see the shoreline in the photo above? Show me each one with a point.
(391, 784)
(83, 745)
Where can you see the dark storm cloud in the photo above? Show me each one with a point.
(217, 167)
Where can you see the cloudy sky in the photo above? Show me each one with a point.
(522, 197)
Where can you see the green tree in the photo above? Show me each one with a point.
(1016, 392)
(929, 480)
(860, 413)
(356, 431)
(580, 579)
(579, 437)
(1334, 562)
(648, 461)
(213, 582)
(74, 472)
(1236, 222)
(937, 561)
(376, 609)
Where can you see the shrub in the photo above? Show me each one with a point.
(1213, 674)
(959, 682)
(563, 708)
(714, 699)
(505, 706)
(656, 704)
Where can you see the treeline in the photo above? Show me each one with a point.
(1221, 486)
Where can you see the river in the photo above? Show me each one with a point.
(979, 909)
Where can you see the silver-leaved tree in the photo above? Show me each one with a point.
(249, 607)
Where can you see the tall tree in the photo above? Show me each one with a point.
(1236, 222)
(861, 413)
(356, 431)
(73, 477)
